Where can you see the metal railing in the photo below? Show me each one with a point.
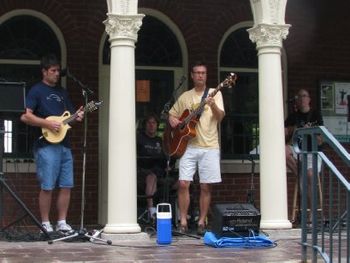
(328, 235)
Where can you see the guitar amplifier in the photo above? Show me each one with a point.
(234, 220)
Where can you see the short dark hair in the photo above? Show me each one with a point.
(197, 64)
(49, 60)
(148, 117)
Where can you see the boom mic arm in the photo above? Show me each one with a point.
(66, 72)
(167, 106)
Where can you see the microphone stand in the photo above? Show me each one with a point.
(83, 86)
(4, 186)
(169, 104)
(251, 192)
(82, 232)
(164, 116)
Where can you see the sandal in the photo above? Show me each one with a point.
(201, 230)
(183, 229)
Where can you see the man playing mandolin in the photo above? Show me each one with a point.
(54, 161)
(203, 149)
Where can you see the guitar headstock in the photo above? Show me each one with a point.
(230, 80)
(92, 106)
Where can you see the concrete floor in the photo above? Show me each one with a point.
(182, 249)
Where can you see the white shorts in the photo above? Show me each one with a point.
(309, 159)
(208, 161)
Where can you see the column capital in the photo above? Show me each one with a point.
(123, 26)
(268, 35)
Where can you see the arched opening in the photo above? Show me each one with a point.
(26, 37)
(240, 127)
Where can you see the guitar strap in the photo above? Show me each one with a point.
(203, 98)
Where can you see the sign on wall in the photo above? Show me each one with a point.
(335, 103)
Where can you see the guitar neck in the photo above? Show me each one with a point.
(203, 102)
(228, 82)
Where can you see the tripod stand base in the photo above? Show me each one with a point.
(83, 234)
(3, 184)
(178, 233)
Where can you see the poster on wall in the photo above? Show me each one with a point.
(338, 126)
(341, 91)
(327, 97)
(334, 104)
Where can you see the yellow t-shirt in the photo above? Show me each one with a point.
(207, 127)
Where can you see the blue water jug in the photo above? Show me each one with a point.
(164, 223)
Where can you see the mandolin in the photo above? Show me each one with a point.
(65, 119)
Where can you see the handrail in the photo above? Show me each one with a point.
(327, 137)
(325, 241)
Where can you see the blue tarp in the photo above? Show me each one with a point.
(239, 242)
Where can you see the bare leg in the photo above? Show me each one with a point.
(204, 202)
(45, 198)
(151, 188)
(309, 193)
(63, 200)
(184, 200)
(291, 161)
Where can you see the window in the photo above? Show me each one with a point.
(156, 45)
(158, 59)
(24, 40)
(240, 127)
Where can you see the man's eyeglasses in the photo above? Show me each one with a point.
(200, 72)
(303, 96)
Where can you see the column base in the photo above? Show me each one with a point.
(278, 234)
(131, 237)
(275, 224)
(122, 229)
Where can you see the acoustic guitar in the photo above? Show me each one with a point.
(65, 119)
(289, 131)
(175, 140)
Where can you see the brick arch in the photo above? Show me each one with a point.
(45, 19)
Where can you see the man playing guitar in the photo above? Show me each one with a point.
(203, 149)
(303, 116)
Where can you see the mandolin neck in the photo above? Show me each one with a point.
(70, 118)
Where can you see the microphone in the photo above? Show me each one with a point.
(292, 99)
(64, 72)
(167, 106)
(183, 78)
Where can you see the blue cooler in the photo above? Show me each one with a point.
(163, 223)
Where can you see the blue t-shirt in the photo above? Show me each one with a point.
(46, 101)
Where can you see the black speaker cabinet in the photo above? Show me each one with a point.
(234, 220)
(12, 96)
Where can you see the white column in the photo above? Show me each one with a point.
(122, 192)
(273, 178)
